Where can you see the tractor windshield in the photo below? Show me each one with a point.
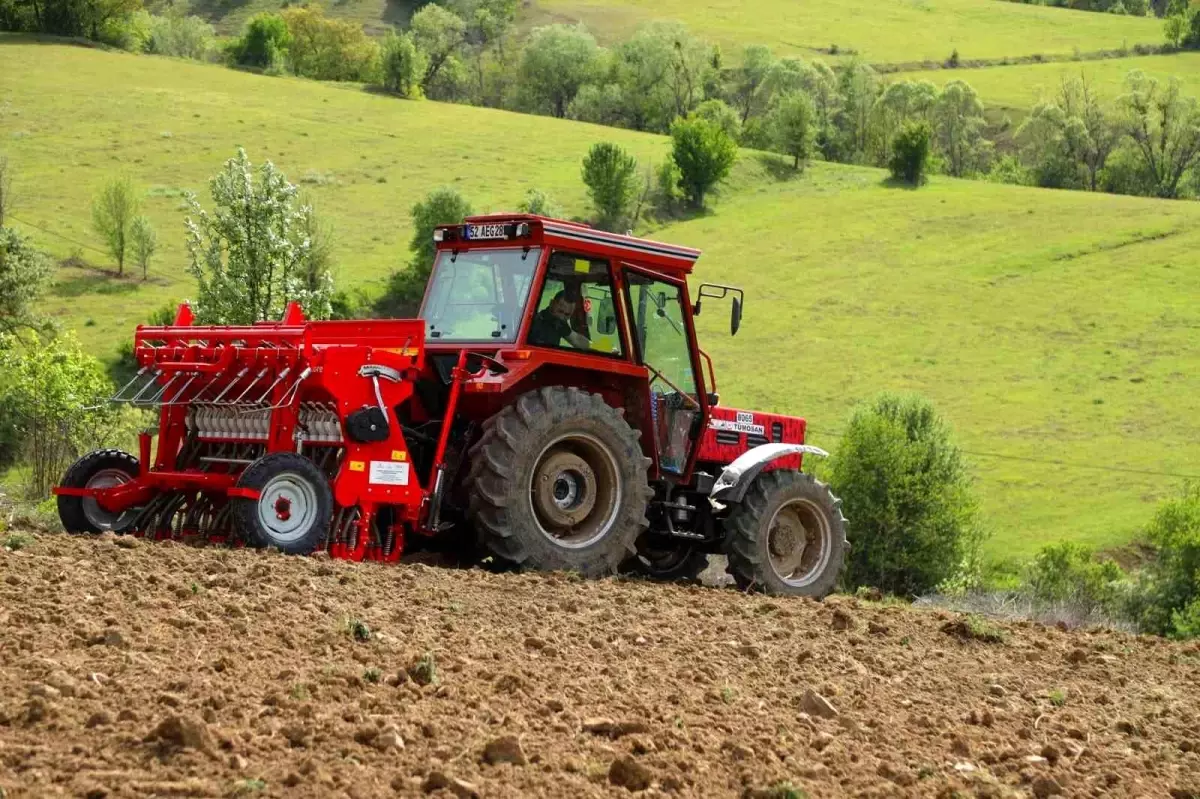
(478, 295)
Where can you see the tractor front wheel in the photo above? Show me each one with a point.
(293, 507)
(104, 468)
(787, 537)
(558, 481)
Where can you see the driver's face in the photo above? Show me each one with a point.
(562, 308)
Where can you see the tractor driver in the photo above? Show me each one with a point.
(552, 324)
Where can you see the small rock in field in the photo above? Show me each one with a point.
(292, 779)
(821, 741)
(504, 750)
(1077, 656)
(641, 744)
(1051, 753)
(996, 689)
(960, 746)
(44, 691)
(98, 719)
(842, 620)
(816, 705)
(238, 763)
(629, 774)
(1045, 786)
(533, 642)
(126, 542)
(183, 732)
(64, 682)
(437, 781)
(875, 628)
(1127, 727)
(113, 637)
(389, 740)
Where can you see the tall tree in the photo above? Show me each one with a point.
(556, 62)
(704, 154)
(858, 86)
(1069, 139)
(610, 175)
(749, 91)
(958, 128)
(1165, 128)
(792, 127)
(439, 34)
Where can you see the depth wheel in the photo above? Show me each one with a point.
(558, 481)
(788, 536)
(104, 468)
(293, 507)
(666, 562)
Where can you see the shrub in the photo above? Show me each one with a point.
(244, 276)
(23, 274)
(792, 127)
(1066, 572)
(1167, 598)
(143, 242)
(909, 159)
(328, 49)
(264, 42)
(1009, 169)
(401, 64)
(907, 495)
(402, 296)
(130, 31)
(704, 153)
(180, 36)
(610, 175)
(668, 196)
(722, 115)
(540, 203)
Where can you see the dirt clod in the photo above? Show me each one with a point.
(183, 732)
(1045, 786)
(629, 774)
(504, 750)
(814, 704)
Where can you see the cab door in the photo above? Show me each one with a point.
(664, 341)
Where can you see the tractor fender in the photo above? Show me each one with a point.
(731, 486)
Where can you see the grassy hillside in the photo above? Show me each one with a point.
(1020, 87)
(1049, 325)
(880, 30)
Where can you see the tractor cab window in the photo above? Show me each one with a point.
(576, 309)
(661, 333)
(478, 295)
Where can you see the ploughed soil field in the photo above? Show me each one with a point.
(129, 668)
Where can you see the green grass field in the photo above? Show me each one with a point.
(1046, 325)
(1020, 87)
(896, 31)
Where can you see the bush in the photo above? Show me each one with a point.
(1066, 572)
(329, 49)
(610, 175)
(264, 42)
(182, 37)
(907, 495)
(667, 194)
(402, 296)
(704, 153)
(401, 64)
(540, 203)
(1009, 169)
(792, 127)
(130, 32)
(909, 159)
(23, 274)
(52, 396)
(1167, 598)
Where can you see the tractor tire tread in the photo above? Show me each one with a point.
(70, 509)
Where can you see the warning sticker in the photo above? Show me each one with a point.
(391, 473)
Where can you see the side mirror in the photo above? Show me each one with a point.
(735, 317)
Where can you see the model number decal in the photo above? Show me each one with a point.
(390, 473)
(738, 426)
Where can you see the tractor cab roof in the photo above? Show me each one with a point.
(507, 230)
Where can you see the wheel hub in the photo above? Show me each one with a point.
(575, 490)
(98, 516)
(287, 507)
(798, 542)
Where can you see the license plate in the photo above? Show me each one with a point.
(487, 231)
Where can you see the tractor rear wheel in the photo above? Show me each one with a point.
(293, 507)
(788, 536)
(104, 468)
(558, 481)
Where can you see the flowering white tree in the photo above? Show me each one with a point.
(249, 254)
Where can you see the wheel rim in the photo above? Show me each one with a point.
(287, 507)
(97, 516)
(799, 542)
(575, 490)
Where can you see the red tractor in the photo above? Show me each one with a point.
(550, 402)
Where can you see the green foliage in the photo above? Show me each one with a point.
(668, 196)
(23, 274)
(402, 65)
(328, 49)
(129, 31)
(722, 115)
(1067, 572)
(557, 60)
(52, 400)
(859, 87)
(1068, 140)
(610, 175)
(1057, 697)
(264, 43)
(749, 91)
(1165, 129)
(356, 629)
(905, 489)
(113, 212)
(539, 202)
(958, 129)
(439, 34)
(1167, 597)
(1009, 169)
(247, 255)
(704, 154)
(424, 670)
(792, 127)
(406, 287)
(661, 72)
(909, 160)
(15, 542)
(143, 243)
(99, 20)
(901, 102)
(181, 36)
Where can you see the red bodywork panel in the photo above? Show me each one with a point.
(731, 432)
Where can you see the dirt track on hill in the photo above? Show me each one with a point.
(136, 669)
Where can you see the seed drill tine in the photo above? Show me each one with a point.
(153, 379)
(261, 374)
(237, 378)
(117, 397)
(282, 376)
(182, 390)
(153, 400)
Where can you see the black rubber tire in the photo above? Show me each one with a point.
(747, 534)
(257, 476)
(70, 509)
(655, 564)
(502, 465)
